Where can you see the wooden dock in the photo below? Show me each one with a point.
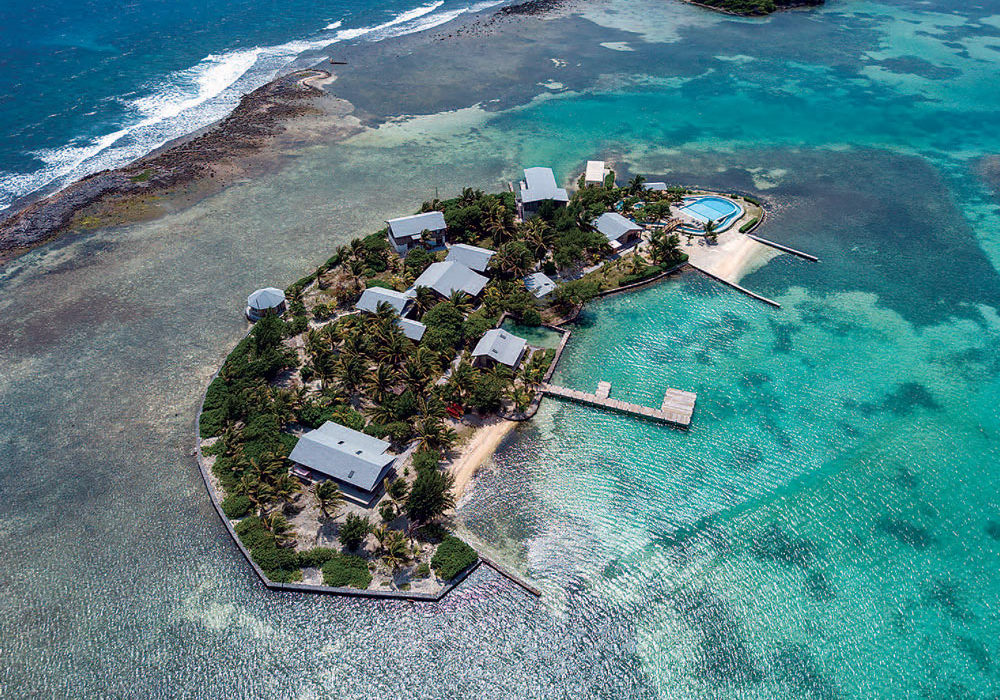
(677, 406)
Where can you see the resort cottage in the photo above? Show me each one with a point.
(539, 284)
(596, 172)
(497, 346)
(407, 232)
(473, 257)
(619, 231)
(373, 297)
(265, 301)
(538, 185)
(356, 461)
(448, 277)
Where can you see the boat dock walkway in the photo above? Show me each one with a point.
(677, 406)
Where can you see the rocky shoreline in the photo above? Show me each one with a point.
(135, 191)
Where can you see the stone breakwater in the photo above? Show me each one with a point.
(126, 193)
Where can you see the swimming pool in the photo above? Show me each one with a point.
(710, 208)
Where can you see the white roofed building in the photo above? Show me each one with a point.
(617, 229)
(356, 461)
(407, 232)
(265, 301)
(539, 185)
(596, 172)
(497, 346)
(450, 276)
(473, 257)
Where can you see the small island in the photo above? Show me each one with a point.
(337, 436)
(754, 8)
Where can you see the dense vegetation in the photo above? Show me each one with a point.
(758, 7)
(322, 361)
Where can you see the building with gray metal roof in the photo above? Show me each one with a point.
(539, 185)
(450, 276)
(373, 296)
(656, 186)
(358, 462)
(265, 301)
(473, 257)
(414, 330)
(499, 346)
(406, 232)
(539, 284)
(617, 229)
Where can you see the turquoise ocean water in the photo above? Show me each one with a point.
(828, 527)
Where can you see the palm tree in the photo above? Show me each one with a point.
(710, 233)
(413, 375)
(460, 299)
(536, 233)
(427, 360)
(286, 489)
(257, 492)
(381, 534)
(381, 413)
(267, 467)
(425, 299)
(635, 184)
(434, 434)
(380, 382)
(397, 552)
(462, 379)
(278, 526)
(350, 371)
(395, 349)
(328, 497)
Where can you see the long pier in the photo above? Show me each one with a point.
(677, 406)
(784, 248)
(735, 286)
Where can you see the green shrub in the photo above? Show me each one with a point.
(273, 559)
(354, 530)
(346, 570)
(452, 557)
(212, 423)
(426, 459)
(749, 225)
(423, 571)
(236, 506)
(646, 273)
(432, 532)
(253, 534)
(316, 557)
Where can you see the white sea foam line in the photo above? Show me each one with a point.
(192, 88)
(401, 18)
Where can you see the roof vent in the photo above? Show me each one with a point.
(340, 442)
(358, 452)
(350, 474)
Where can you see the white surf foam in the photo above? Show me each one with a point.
(197, 96)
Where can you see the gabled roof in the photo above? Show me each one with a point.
(409, 226)
(595, 171)
(345, 454)
(373, 296)
(266, 298)
(613, 225)
(501, 346)
(414, 330)
(540, 184)
(471, 256)
(446, 277)
(656, 186)
(539, 284)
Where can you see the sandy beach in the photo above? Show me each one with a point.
(480, 447)
(732, 257)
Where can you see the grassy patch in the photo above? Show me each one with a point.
(345, 570)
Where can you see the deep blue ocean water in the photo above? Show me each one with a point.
(90, 85)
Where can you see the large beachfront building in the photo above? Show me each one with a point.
(408, 232)
(447, 277)
(619, 231)
(497, 346)
(539, 185)
(356, 461)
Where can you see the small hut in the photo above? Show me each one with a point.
(265, 301)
